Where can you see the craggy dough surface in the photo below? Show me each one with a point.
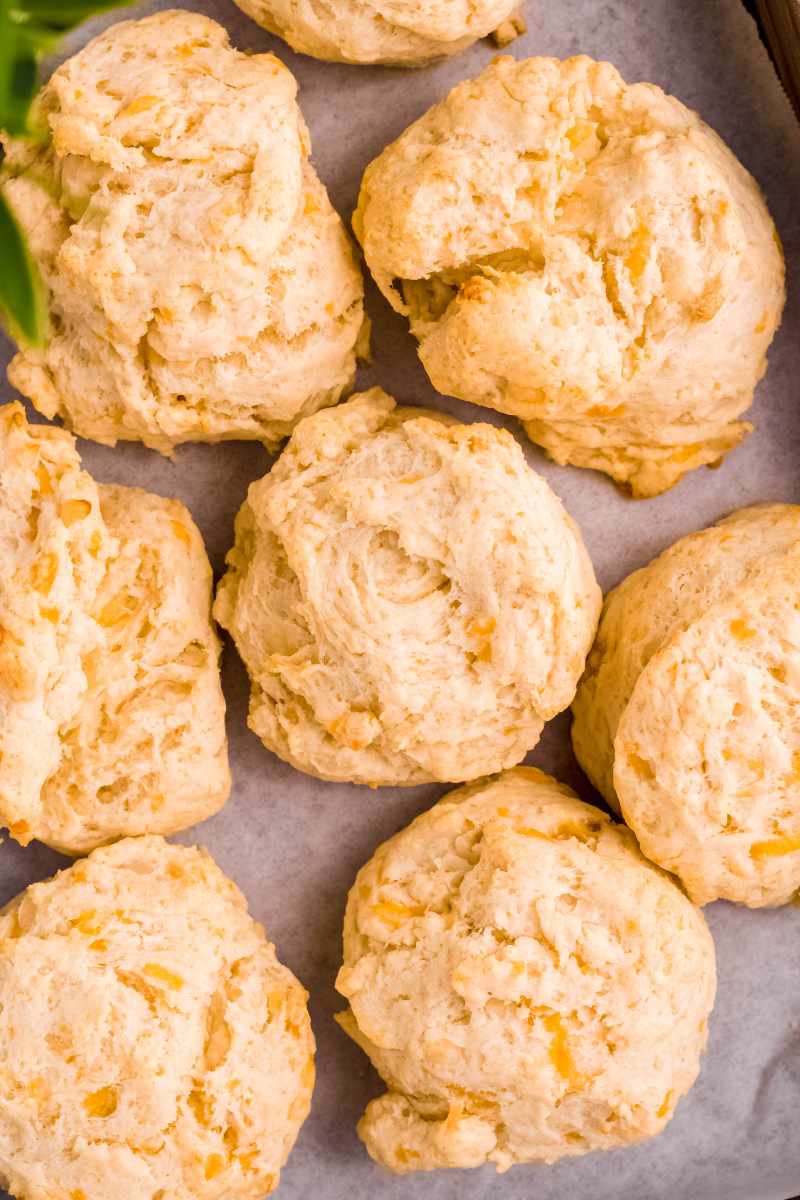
(112, 718)
(151, 1044)
(526, 983)
(584, 254)
(411, 600)
(688, 716)
(400, 32)
(201, 285)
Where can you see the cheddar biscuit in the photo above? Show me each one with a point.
(386, 31)
(688, 716)
(112, 719)
(526, 983)
(151, 1044)
(411, 600)
(201, 286)
(584, 254)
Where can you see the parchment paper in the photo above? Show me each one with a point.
(294, 844)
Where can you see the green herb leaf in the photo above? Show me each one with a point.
(55, 16)
(21, 48)
(29, 29)
(21, 291)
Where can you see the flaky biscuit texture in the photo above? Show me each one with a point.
(151, 1044)
(112, 719)
(526, 983)
(584, 254)
(386, 31)
(201, 285)
(688, 715)
(411, 600)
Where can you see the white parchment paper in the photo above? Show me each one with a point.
(294, 844)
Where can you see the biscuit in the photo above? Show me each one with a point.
(585, 255)
(201, 285)
(112, 719)
(411, 600)
(386, 31)
(688, 716)
(151, 1044)
(526, 983)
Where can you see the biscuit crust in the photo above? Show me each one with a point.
(687, 715)
(411, 600)
(201, 285)
(584, 254)
(527, 984)
(151, 1044)
(393, 32)
(112, 718)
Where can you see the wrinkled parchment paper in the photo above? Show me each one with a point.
(294, 844)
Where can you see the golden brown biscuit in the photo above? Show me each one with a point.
(151, 1044)
(201, 285)
(688, 716)
(387, 31)
(526, 983)
(112, 719)
(411, 600)
(584, 254)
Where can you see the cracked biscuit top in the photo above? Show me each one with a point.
(411, 600)
(112, 719)
(526, 983)
(151, 1044)
(386, 31)
(201, 287)
(584, 254)
(688, 715)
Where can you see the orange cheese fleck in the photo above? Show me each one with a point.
(102, 1103)
(163, 975)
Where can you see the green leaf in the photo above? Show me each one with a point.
(21, 290)
(21, 48)
(55, 16)
(29, 29)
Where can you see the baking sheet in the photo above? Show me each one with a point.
(294, 844)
